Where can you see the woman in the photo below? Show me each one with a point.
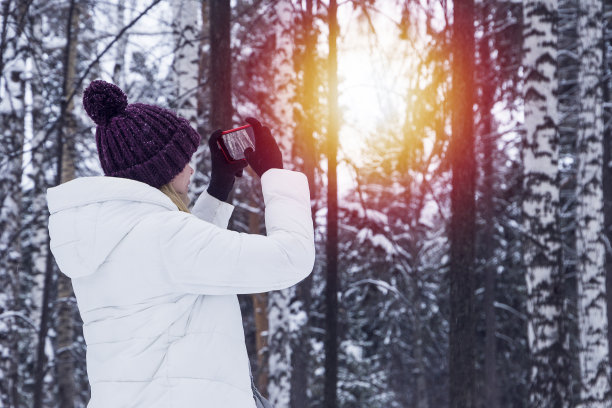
(155, 284)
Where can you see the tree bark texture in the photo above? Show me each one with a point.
(331, 290)
(462, 223)
(65, 295)
(607, 157)
(120, 70)
(592, 308)
(308, 99)
(220, 65)
(548, 345)
(204, 66)
(279, 357)
(260, 309)
(300, 362)
(279, 302)
(186, 31)
(488, 241)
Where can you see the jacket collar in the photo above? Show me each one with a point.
(86, 190)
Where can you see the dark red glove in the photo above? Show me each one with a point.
(223, 173)
(267, 155)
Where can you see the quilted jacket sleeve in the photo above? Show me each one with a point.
(213, 210)
(201, 257)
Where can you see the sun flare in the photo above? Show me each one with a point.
(372, 82)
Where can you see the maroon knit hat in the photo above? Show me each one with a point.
(137, 141)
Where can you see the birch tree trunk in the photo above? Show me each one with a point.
(279, 359)
(201, 176)
(607, 157)
(547, 344)
(462, 232)
(120, 70)
(592, 313)
(186, 61)
(42, 259)
(279, 311)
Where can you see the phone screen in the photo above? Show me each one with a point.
(236, 141)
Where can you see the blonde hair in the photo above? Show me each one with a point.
(168, 190)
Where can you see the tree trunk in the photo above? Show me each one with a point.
(260, 310)
(220, 65)
(309, 99)
(120, 70)
(65, 295)
(42, 258)
(11, 223)
(185, 66)
(462, 224)
(592, 313)
(548, 346)
(279, 356)
(607, 157)
(488, 241)
(300, 363)
(331, 289)
(39, 371)
(421, 399)
(279, 301)
(203, 69)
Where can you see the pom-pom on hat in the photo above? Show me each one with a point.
(138, 141)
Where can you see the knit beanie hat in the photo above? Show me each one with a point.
(137, 141)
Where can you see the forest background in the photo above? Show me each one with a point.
(458, 154)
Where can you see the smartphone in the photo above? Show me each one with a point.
(235, 141)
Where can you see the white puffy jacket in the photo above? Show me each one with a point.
(156, 287)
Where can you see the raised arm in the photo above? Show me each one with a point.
(200, 257)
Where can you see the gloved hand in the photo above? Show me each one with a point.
(223, 173)
(267, 155)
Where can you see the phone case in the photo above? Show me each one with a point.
(234, 142)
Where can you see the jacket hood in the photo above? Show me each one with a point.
(89, 216)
